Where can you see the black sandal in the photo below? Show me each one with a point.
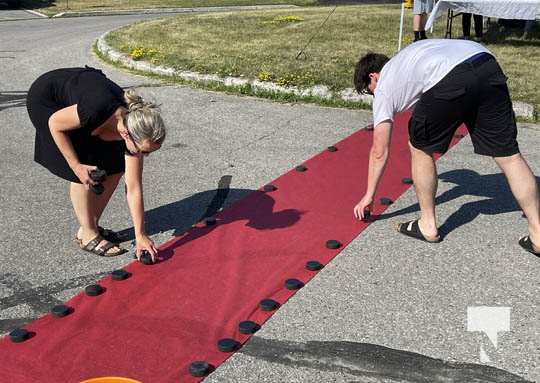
(102, 251)
(411, 229)
(527, 244)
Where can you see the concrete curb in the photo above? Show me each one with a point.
(36, 13)
(158, 11)
(521, 109)
(320, 91)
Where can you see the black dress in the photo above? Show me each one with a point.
(97, 98)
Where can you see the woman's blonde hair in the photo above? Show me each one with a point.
(143, 119)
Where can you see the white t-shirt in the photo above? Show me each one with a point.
(415, 70)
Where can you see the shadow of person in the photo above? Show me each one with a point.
(12, 100)
(253, 206)
(493, 187)
(257, 209)
(365, 360)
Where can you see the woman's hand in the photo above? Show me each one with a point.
(83, 173)
(145, 243)
(366, 203)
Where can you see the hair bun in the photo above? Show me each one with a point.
(133, 100)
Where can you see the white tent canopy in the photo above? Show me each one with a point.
(502, 9)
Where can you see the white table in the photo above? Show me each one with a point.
(502, 9)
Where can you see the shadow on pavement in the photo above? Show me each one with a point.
(366, 360)
(39, 299)
(493, 187)
(12, 99)
(180, 216)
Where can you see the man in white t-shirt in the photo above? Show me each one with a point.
(449, 82)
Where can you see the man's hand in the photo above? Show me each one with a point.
(366, 203)
(145, 243)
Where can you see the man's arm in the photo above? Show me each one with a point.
(378, 156)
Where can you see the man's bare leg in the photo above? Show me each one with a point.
(424, 174)
(524, 188)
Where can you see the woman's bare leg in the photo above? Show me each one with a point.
(89, 206)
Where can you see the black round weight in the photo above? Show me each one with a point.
(300, 168)
(268, 305)
(146, 258)
(293, 284)
(407, 181)
(98, 175)
(61, 311)
(386, 201)
(333, 244)
(97, 188)
(199, 368)
(93, 290)
(19, 335)
(314, 265)
(248, 327)
(228, 345)
(120, 275)
(332, 149)
(269, 188)
(367, 215)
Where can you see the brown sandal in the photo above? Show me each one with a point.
(107, 234)
(102, 251)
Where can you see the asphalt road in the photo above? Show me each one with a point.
(387, 309)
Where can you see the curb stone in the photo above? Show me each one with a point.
(521, 109)
(36, 13)
(320, 91)
(157, 11)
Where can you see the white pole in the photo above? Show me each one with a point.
(401, 25)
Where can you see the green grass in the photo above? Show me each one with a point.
(264, 45)
(242, 90)
(53, 7)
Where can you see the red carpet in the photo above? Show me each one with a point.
(151, 326)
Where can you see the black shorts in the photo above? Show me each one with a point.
(474, 93)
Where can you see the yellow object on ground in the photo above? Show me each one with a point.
(110, 379)
(408, 4)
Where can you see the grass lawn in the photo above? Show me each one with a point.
(264, 45)
(53, 7)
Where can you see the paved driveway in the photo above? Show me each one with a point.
(387, 309)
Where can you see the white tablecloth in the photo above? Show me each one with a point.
(502, 9)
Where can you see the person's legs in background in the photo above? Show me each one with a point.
(466, 25)
(418, 27)
(528, 28)
(420, 10)
(478, 26)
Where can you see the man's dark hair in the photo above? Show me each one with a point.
(369, 63)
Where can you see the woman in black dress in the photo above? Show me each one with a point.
(85, 121)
